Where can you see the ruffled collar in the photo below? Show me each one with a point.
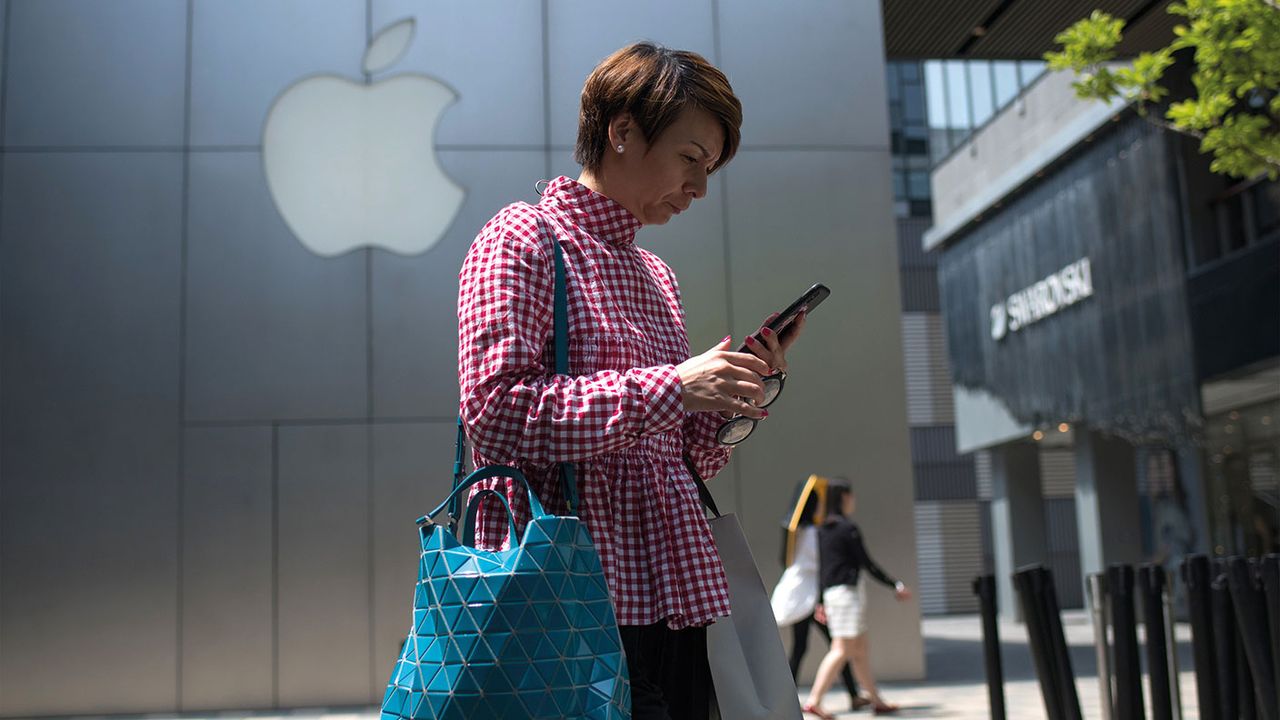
(601, 216)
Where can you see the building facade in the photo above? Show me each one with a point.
(1107, 296)
(214, 441)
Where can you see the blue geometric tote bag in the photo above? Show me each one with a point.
(528, 632)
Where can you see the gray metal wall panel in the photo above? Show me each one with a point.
(982, 473)
(227, 569)
(931, 557)
(911, 253)
(776, 195)
(581, 33)
(323, 622)
(88, 431)
(415, 299)
(930, 400)
(273, 331)
(820, 70)
(483, 49)
(244, 53)
(945, 481)
(962, 530)
(1064, 550)
(1058, 472)
(412, 465)
(4, 18)
(85, 73)
(274, 334)
(920, 290)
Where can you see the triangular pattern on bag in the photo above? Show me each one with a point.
(522, 633)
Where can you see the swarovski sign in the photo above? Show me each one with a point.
(1036, 302)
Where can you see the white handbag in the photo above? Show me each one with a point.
(796, 594)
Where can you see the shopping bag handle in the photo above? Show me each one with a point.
(703, 492)
(480, 475)
(468, 536)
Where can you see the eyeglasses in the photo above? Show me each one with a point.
(740, 427)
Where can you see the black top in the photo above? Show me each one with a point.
(841, 554)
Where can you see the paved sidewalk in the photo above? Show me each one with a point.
(956, 684)
(955, 687)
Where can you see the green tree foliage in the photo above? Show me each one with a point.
(1235, 111)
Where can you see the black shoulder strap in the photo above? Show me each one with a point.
(703, 492)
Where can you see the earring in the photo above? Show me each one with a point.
(620, 148)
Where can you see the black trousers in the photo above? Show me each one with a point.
(670, 677)
(800, 644)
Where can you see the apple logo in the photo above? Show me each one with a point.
(352, 164)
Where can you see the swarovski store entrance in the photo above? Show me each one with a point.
(1067, 324)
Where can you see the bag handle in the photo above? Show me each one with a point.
(469, 519)
(703, 492)
(485, 473)
(560, 337)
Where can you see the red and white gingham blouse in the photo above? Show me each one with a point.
(617, 415)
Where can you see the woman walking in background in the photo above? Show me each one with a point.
(795, 597)
(842, 558)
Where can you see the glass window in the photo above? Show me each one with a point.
(1030, 70)
(910, 71)
(1231, 231)
(1006, 81)
(980, 87)
(913, 105)
(918, 185)
(1266, 208)
(957, 95)
(899, 184)
(891, 80)
(935, 94)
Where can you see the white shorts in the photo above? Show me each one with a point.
(844, 605)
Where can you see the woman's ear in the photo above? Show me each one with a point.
(622, 129)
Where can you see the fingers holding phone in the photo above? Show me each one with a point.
(724, 381)
(771, 346)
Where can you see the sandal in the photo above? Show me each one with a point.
(812, 709)
(882, 708)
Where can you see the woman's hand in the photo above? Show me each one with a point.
(820, 614)
(773, 349)
(719, 380)
(902, 593)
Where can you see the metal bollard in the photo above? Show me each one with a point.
(1058, 643)
(1048, 644)
(1101, 613)
(1224, 646)
(1251, 619)
(1170, 632)
(984, 586)
(1128, 698)
(1270, 572)
(1197, 575)
(1151, 595)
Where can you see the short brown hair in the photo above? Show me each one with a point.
(654, 84)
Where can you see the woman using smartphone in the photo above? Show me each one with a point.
(654, 125)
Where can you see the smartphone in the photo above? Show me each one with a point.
(811, 299)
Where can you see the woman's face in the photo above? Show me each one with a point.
(850, 503)
(656, 181)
